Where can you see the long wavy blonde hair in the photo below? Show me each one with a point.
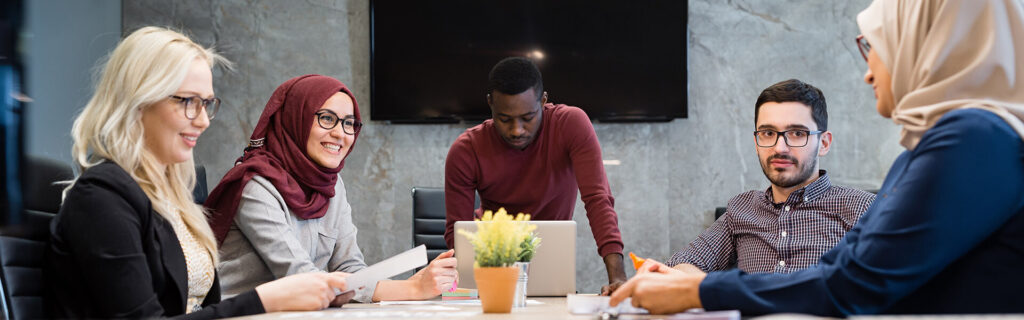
(146, 67)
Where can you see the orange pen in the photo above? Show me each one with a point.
(637, 261)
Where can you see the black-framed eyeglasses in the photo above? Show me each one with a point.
(863, 46)
(327, 119)
(794, 138)
(193, 103)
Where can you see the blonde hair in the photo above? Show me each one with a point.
(146, 67)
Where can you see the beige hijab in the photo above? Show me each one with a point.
(949, 54)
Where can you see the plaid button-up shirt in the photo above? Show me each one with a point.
(758, 235)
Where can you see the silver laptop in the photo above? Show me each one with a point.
(553, 268)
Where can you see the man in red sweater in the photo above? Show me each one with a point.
(532, 156)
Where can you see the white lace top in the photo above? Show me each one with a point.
(199, 263)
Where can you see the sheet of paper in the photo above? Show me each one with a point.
(409, 302)
(472, 302)
(594, 304)
(376, 314)
(468, 302)
(390, 267)
(700, 314)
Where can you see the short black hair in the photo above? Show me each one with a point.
(515, 75)
(794, 90)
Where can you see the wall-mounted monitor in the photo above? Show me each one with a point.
(617, 60)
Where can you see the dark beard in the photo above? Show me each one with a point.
(806, 171)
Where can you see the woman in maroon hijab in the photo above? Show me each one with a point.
(282, 208)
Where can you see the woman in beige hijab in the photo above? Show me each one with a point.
(946, 233)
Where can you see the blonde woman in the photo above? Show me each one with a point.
(129, 242)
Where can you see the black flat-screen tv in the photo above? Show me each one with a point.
(617, 60)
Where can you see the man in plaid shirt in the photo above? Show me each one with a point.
(801, 215)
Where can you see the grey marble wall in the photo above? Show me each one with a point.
(671, 175)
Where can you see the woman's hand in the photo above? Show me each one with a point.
(300, 292)
(437, 277)
(341, 299)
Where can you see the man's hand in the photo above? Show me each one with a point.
(651, 265)
(688, 268)
(660, 289)
(616, 273)
(612, 286)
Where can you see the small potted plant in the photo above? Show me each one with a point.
(497, 245)
(527, 248)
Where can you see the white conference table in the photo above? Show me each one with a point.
(549, 308)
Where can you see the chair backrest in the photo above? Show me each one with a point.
(40, 193)
(428, 219)
(23, 245)
(719, 211)
(21, 266)
(199, 192)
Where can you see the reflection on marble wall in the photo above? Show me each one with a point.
(671, 175)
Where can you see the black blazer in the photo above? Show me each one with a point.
(111, 256)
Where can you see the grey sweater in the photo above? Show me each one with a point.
(267, 242)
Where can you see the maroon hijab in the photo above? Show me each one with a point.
(277, 152)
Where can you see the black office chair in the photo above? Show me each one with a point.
(200, 192)
(23, 245)
(21, 262)
(428, 219)
(719, 211)
(40, 190)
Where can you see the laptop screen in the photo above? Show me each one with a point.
(553, 268)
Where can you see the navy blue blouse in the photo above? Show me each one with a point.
(944, 235)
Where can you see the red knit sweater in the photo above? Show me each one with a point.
(541, 180)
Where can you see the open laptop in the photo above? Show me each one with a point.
(553, 268)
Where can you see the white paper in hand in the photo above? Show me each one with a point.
(390, 267)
